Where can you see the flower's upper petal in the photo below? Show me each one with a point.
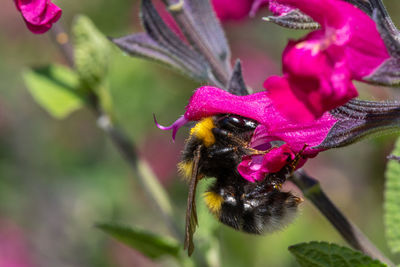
(208, 101)
(345, 24)
(365, 51)
(39, 15)
(287, 103)
(319, 68)
(313, 82)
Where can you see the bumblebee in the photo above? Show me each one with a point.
(215, 147)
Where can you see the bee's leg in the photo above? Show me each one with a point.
(297, 158)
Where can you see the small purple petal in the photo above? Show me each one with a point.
(174, 127)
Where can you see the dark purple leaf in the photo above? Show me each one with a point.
(142, 45)
(208, 25)
(236, 84)
(294, 19)
(201, 28)
(165, 37)
(387, 74)
(358, 119)
(364, 5)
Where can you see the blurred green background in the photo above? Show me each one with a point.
(59, 177)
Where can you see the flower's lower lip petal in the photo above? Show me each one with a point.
(174, 126)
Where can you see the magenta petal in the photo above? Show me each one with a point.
(174, 127)
(208, 101)
(287, 103)
(313, 78)
(275, 159)
(250, 169)
(319, 69)
(255, 168)
(346, 25)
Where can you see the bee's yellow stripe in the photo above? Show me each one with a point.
(213, 201)
(202, 130)
(185, 169)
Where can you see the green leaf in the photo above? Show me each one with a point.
(322, 254)
(392, 201)
(92, 53)
(54, 87)
(152, 245)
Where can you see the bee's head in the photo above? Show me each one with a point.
(252, 210)
(235, 123)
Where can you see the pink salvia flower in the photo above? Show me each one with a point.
(319, 69)
(232, 10)
(208, 101)
(39, 15)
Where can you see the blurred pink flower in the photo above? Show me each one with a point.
(238, 9)
(208, 101)
(232, 10)
(13, 246)
(319, 69)
(39, 15)
(162, 157)
(255, 61)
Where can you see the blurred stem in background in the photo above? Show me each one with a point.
(122, 142)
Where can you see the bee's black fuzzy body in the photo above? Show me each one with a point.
(217, 145)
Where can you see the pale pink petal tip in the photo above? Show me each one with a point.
(174, 126)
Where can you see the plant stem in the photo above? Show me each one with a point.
(354, 237)
(61, 38)
(122, 142)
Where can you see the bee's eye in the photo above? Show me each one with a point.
(235, 122)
